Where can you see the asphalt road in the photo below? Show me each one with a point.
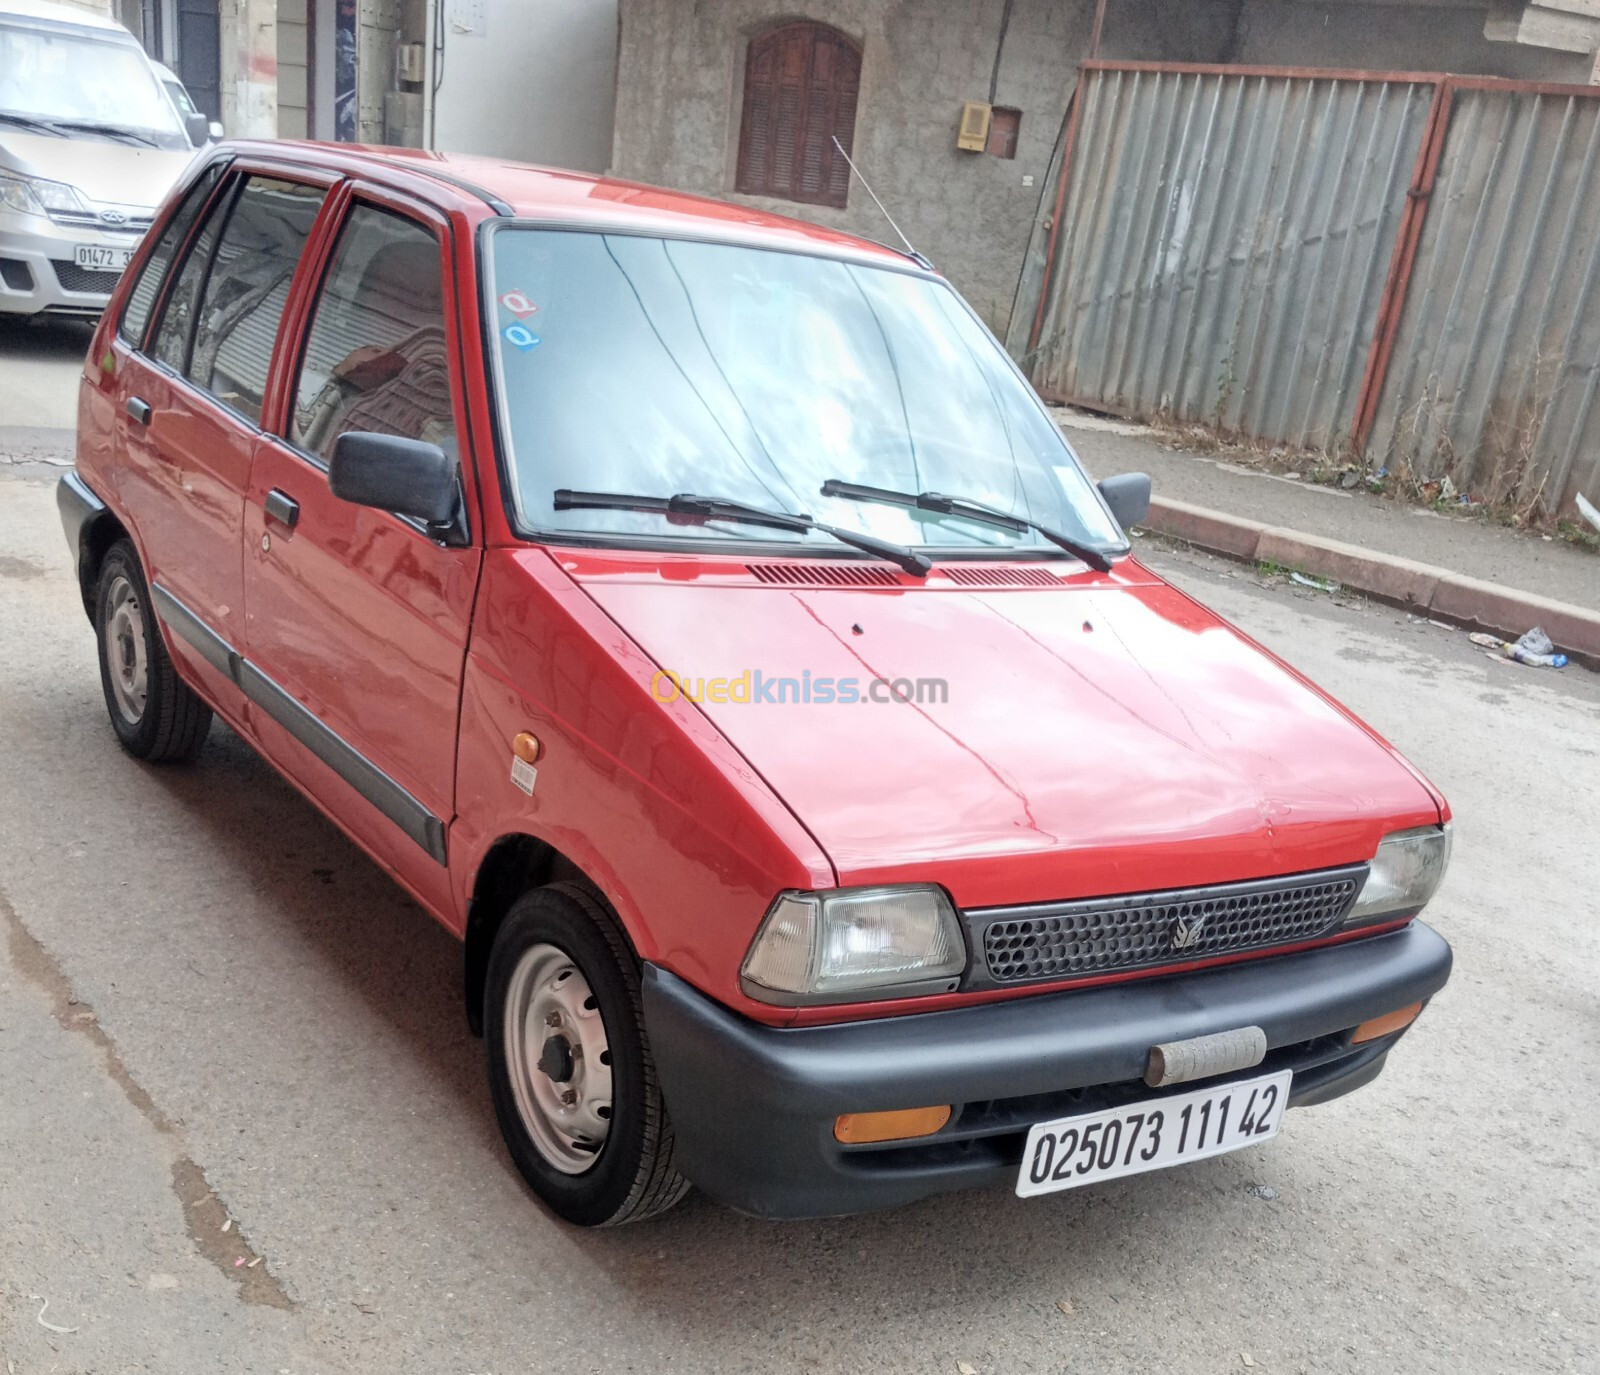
(214, 1011)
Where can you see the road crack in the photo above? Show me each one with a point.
(210, 1226)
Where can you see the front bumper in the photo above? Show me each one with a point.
(38, 272)
(753, 1107)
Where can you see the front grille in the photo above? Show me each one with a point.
(90, 219)
(1146, 930)
(75, 278)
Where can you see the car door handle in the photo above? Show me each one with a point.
(139, 409)
(283, 508)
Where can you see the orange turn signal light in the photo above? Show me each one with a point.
(859, 1128)
(527, 748)
(1386, 1025)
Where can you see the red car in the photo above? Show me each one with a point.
(550, 533)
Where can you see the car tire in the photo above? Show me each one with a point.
(570, 1071)
(155, 714)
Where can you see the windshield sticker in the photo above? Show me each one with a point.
(518, 304)
(523, 337)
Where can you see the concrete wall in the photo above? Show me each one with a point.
(533, 80)
(249, 50)
(292, 25)
(679, 91)
(682, 65)
(1441, 36)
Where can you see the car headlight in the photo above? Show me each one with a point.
(1403, 876)
(853, 944)
(36, 196)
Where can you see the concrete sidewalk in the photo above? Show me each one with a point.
(1469, 572)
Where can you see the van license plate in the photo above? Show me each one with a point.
(1153, 1134)
(98, 258)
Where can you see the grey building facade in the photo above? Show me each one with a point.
(741, 98)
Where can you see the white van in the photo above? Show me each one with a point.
(90, 143)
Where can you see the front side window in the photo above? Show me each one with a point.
(71, 83)
(800, 87)
(143, 296)
(653, 366)
(246, 287)
(375, 358)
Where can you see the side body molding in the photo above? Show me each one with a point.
(421, 825)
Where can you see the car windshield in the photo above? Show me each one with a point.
(180, 97)
(654, 366)
(69, 77)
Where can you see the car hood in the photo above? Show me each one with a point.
(104, 172)
(1104, 735)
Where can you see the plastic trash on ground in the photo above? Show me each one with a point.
(1534, 649)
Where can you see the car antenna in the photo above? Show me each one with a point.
(914, 255)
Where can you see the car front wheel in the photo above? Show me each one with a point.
(154, 713)
(573, 1083)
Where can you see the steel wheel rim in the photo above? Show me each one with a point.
(562, 1090)
(127, 660)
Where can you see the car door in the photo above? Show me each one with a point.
(357, 619)
(191, 409)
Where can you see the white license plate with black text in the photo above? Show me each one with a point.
(1153, 1134)
(98, 258)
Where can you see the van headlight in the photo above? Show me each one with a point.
(36, 196)
(1404, 874)
(854, 944)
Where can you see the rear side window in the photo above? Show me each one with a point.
(247, 289)
(222, 317)
(176, 328)
(375, 356)
(136, 314)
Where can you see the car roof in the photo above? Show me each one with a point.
(554, 196)
(59, 14)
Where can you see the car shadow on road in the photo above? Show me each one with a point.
(360, 925)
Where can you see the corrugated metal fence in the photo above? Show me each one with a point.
(1497, 352)
(1313, 259)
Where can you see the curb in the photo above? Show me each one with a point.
(1417, 587)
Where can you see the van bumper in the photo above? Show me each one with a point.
(753, 1107)
(38, 274)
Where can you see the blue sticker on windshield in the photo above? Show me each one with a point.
(520, 335)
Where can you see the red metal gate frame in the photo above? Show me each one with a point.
(1419, 200)
(1419, 194)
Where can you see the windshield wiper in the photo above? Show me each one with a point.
(968, 510)
(699, 508)
(89, 126)
(38, 126)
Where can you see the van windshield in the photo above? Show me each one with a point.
(658, 366)
(68, 77)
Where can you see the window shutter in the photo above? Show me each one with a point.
(800, 92)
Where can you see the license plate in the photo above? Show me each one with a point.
(1152, 1135)
(98, 258)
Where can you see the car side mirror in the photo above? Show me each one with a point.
(197, 127)
(405, 476)
(216, 130)
(1128, 496)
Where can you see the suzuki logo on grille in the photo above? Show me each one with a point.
(1186, 932)
(113, 217)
